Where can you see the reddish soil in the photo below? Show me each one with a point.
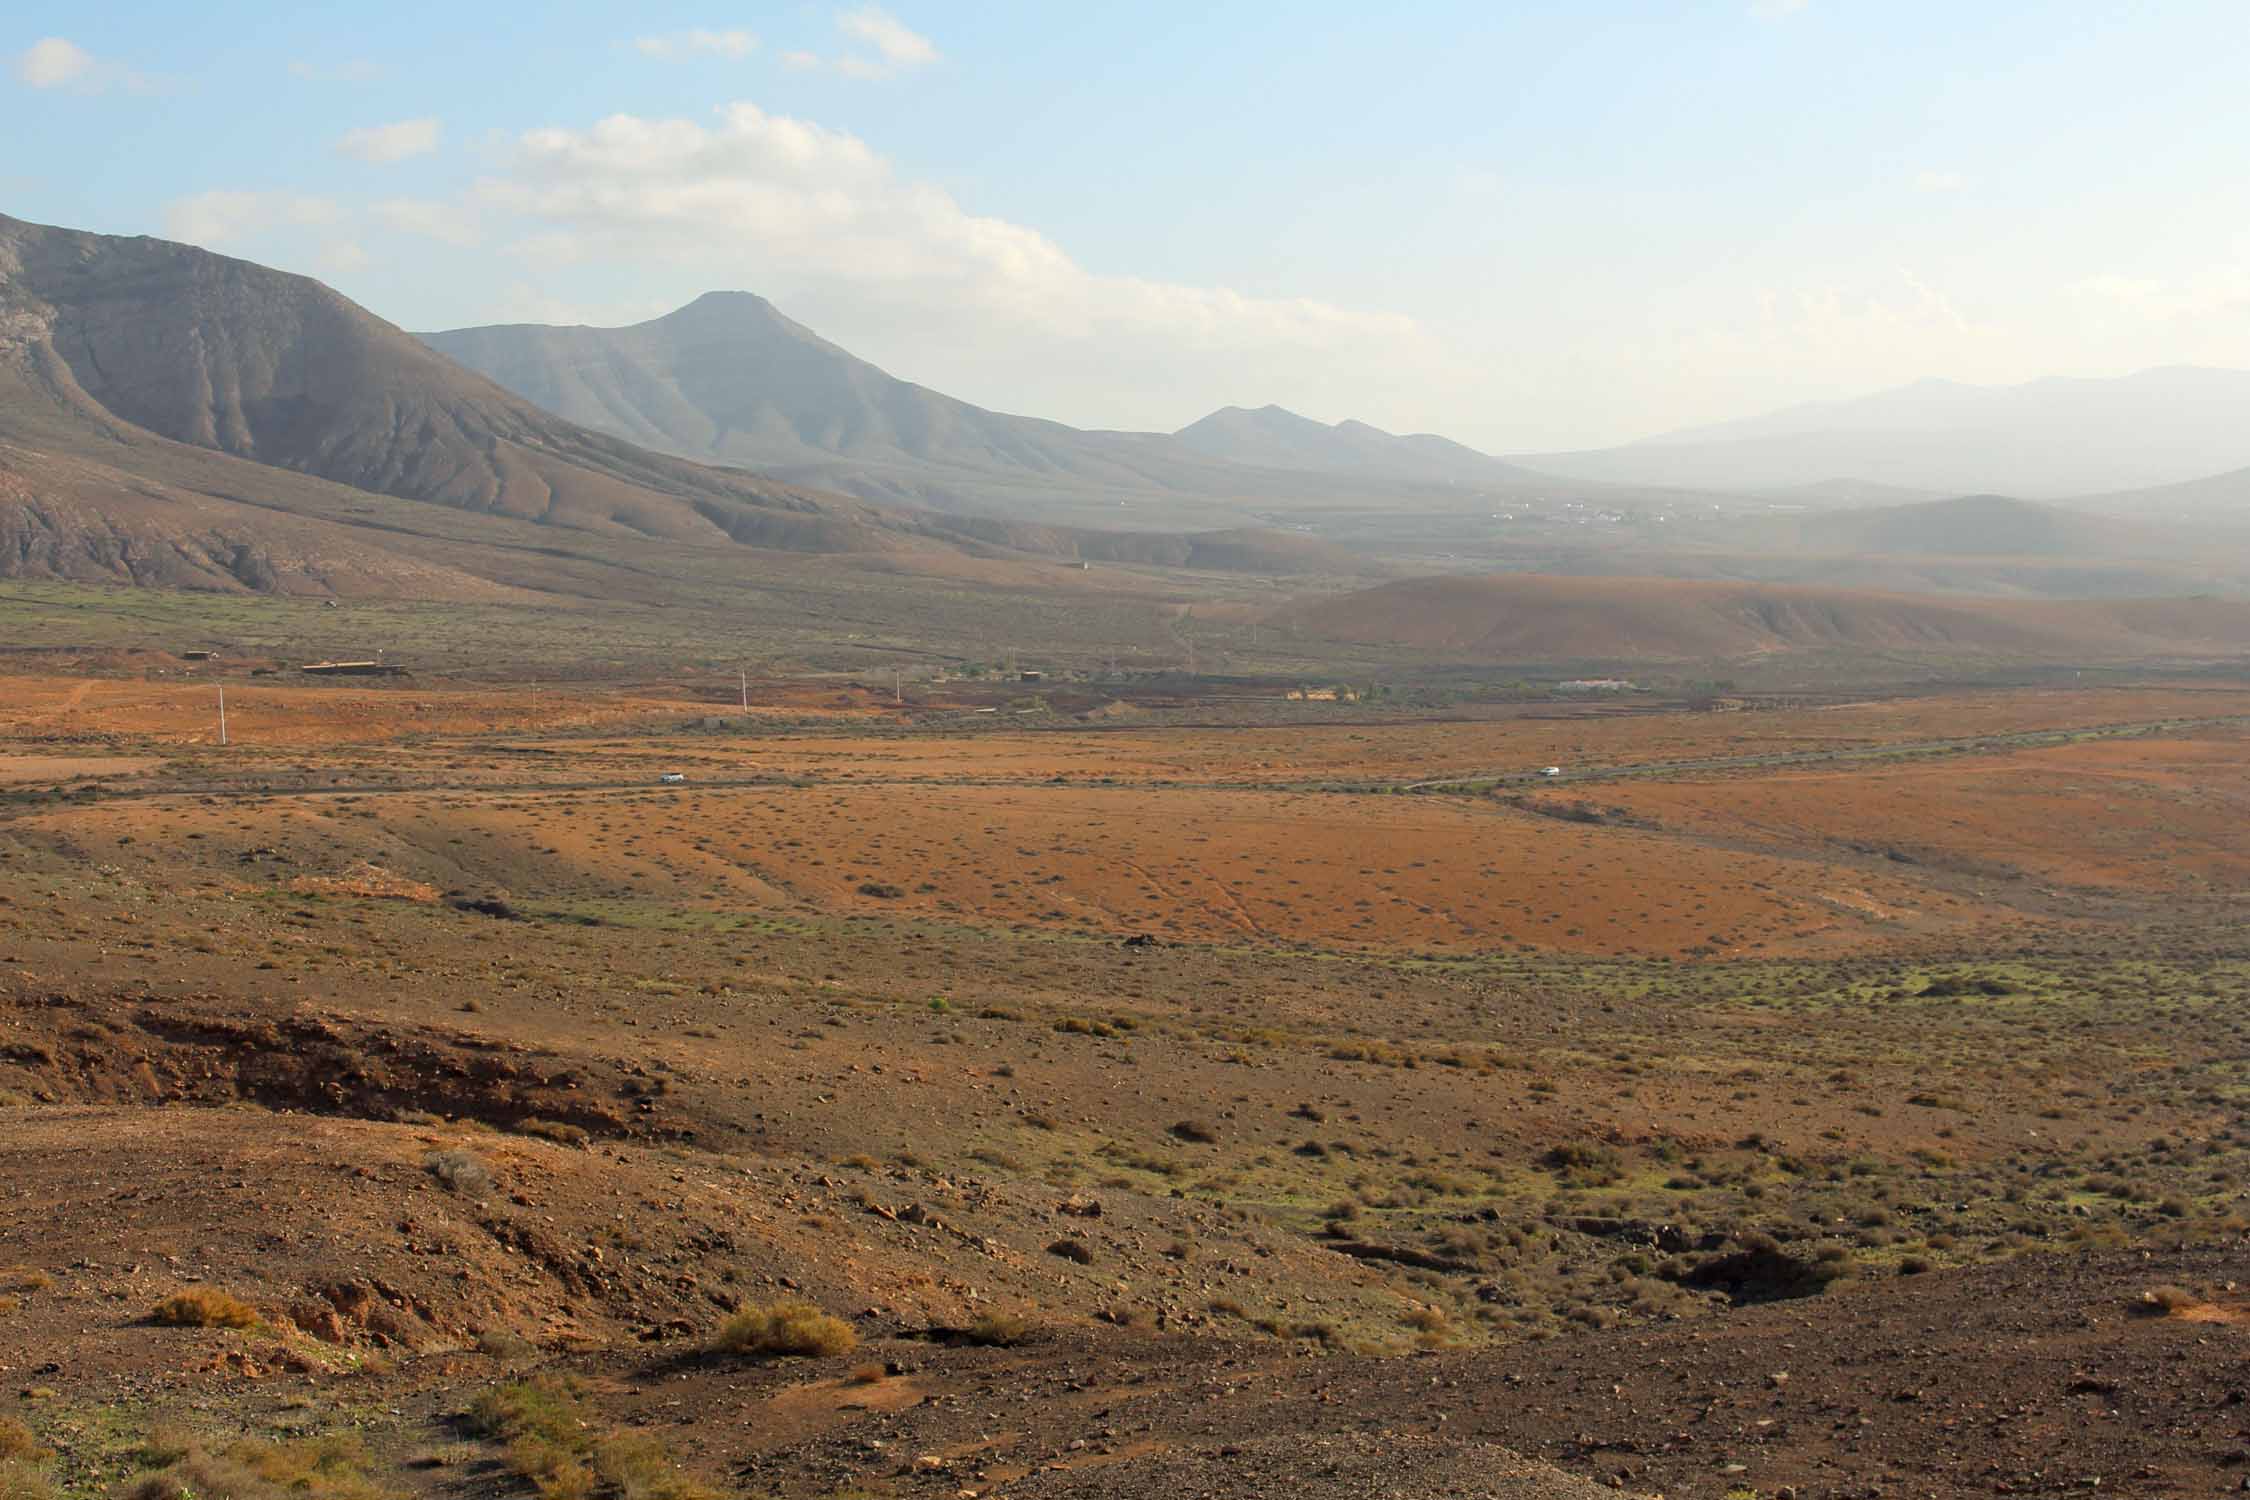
(1408, 1155)
(2146, 816)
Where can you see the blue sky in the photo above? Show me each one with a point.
(1526, 226)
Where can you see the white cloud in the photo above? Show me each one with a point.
(679, 46)
(224, 215)
(1939, 182)
(384, 144)
(1777, 10)
(349, 70)
(448, 223)
(897, 48)
(817, 218)
(54, 61)
(800, 62)
(58, 63)
(339, 256)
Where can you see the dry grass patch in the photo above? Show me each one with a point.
(20, 1481)
(998, 1330)
(203, 1307)
(366, 880)
(787, 1327)
(560, 1132)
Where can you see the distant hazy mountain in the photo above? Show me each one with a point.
(1273, 438)
(2214, 497)
(728, 379)
(2049, 438)
(1847, 492)
(1971, 526)
(1531, 618)
(1988, 545)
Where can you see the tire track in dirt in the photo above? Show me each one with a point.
(1239, 915)
(1233, 905)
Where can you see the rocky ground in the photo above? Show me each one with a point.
(455, 1092)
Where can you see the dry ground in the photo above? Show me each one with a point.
(1426, 1127)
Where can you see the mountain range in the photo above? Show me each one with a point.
(1273, 438)
(2049, 438)
(1514, 618)
(728, 379)
(178, 418)
(170, 416)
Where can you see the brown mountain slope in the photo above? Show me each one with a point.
(172, 417)
(1529, 617)
(84, 521)
(223, 354)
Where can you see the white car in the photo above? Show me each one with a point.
(671, 778)
(1552, 771)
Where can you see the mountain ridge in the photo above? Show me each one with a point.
(2054, 438)
(1534, 617)
(175, 417)
(730, 379)
(1274, 437)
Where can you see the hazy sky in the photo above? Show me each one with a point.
(1524, 225)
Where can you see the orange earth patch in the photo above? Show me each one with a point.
(1207, 866)
(2148, 816)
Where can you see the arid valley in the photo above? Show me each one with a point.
(897, 751)
(1157, 1091)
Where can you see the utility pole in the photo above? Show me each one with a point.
(222, 715)
(745, 687)
(898, 685)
